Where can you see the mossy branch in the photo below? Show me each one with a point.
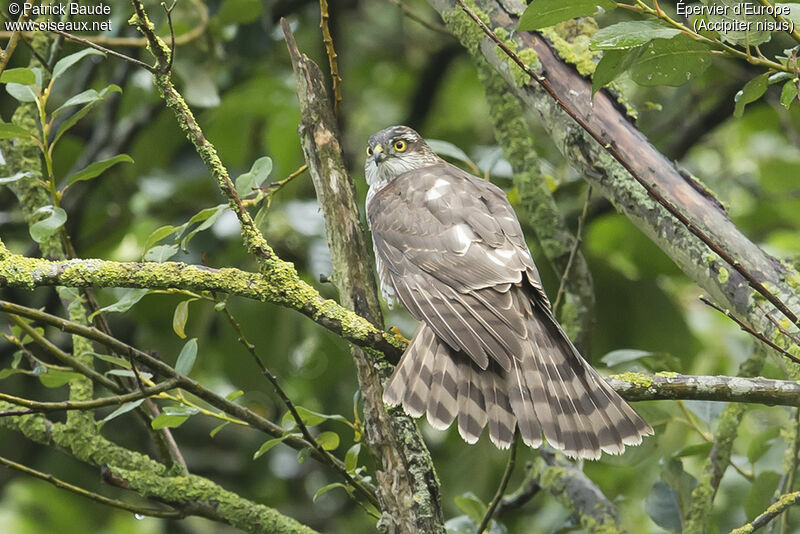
(28, 273)
(188, 494)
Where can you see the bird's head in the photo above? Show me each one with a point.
(394, 151)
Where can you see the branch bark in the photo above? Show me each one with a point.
(725, 284)
(409, 489)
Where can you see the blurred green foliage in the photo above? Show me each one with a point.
(238, 79)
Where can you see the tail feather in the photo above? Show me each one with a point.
(442, 405)
(472, 416)
(549, 390)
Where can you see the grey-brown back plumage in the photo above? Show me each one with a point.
(489, 351)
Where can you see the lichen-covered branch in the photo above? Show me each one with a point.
(774, 510)
(409, 489)
(23, 272)
(698, 516)
(725, 284)
(536, 202)
(190, 494)
(664, 386)
(575, 491)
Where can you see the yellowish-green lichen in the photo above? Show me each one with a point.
(667, 374)
(723, 275)
(635, 378)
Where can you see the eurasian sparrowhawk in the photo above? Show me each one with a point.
(488, 349)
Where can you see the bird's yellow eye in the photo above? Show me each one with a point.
(369, 151)
(400, 145)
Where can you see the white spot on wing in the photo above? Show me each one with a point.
(437, 191)
(494, 258)
(506, 253)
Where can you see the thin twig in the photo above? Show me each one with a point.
(333, 58)
(192, 386)
(269, 191)
(39, 407)
(794, 337)
(413, 16)
(152, 512)
(171, 32)
(290, 405)
(574, 252)
(501, 489)
(651, 189)
(758, 335)
(104, 49)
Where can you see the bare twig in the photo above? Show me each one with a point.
(192, 386)
(333, 58)
(758, 335)
(5, 55)
(152, 512)
(39, 407)
(293, 410)
(651, 188)
(578, 240)
(408, 12)
(104, 49)
(501, 489)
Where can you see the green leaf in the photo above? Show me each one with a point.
(11, 179)
(707, 411)
(209, 216)
(187, 357)
(788, 94)
(630, 34)
(78, 115)
(700, 449)
(752, 91)
(21, 76)
(259, 172)
(761, 443)
(180, 317)
(663, 507)
(234, 395)
(23, 93)
(125, 408)
(97, 168)
(267, 445)
(623, 356)
(794, 12)
(737, 28)
(128, 298)
(157, 235)
(351, 457)
(63, 64)
(328, 440)
(303, 454)
(325, 489)
(671, 62)
(9, 130)
(470, 504)
(444, 148)
(760, 495)
(216, 429)
(90, 96)
(161, 253)
(168, 421)
(113, 360)
(5, 373)
(44, 229)
(309, 418)
(55, 378)
(129, 374)
(544, 13)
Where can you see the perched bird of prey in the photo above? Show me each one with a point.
(488, 349)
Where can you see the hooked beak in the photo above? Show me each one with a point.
(378, 154)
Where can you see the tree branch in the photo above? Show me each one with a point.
(28, 273)
(409, 490)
